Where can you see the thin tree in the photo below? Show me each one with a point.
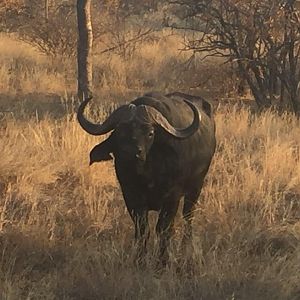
(46, 10)
(84, 48)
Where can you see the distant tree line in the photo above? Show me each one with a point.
(50, 25)
(260, 38)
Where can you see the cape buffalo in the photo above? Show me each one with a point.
(162, 147)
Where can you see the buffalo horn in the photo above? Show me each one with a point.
(180, 133)
(122, 113)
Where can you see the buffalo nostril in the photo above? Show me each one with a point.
(138, 152)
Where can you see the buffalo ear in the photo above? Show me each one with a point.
(207, 107)
(101, 152)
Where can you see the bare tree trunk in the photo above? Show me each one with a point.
(46, 10)
(84, 48)
(255, 87)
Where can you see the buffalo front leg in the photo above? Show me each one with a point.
(137, 208)
(142, 233)
(165, 228)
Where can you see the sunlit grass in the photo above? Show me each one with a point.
(65, 232)
(64, 229)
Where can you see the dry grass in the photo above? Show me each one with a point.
(64, 229)
(154, 65)
(23, 70)
(65, 233)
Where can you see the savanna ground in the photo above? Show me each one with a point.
(64, 229)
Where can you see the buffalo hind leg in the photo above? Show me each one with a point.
(165, 228)
(190, 201)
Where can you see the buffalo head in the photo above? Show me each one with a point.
(134, 128)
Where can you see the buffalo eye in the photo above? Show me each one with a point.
(151, 133)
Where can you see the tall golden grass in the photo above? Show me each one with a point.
(158, 65)
(65, 232)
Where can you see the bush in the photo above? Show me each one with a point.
(55, 36)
